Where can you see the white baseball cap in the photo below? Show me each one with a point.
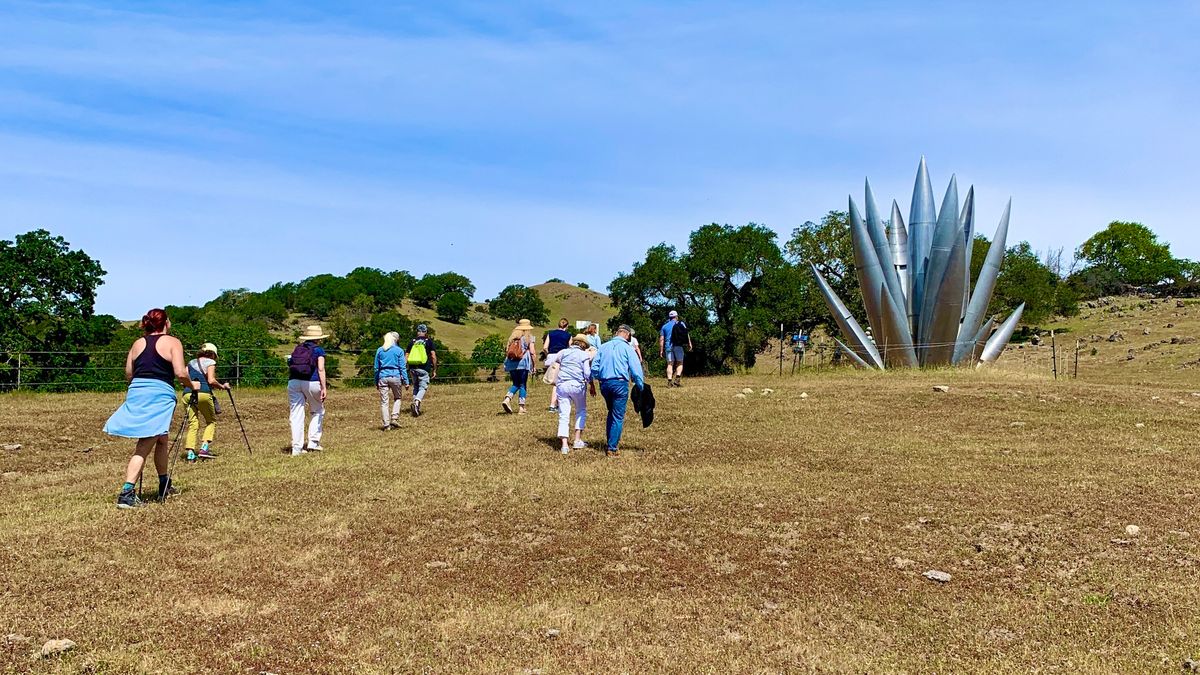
(673, 315)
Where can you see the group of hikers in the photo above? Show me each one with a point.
(575, 365)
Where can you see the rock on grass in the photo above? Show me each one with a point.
(56, 647)
(938, 576)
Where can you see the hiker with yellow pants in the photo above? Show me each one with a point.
(203, 372)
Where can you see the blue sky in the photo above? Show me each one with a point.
(196, 146)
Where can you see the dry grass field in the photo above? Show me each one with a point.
(765, 534)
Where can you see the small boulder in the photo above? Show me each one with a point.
(11, 447)
(56, 647)
(437, 565)
(1180, 303)
(740, 396)
(1145, 331)
(804, 394)
(1132, 530)
(10, 475)
(1116, 336)
(552, 633)
(747, 390)
(1139, 425)
(938, 576)
(767, 392)
(941, 388)
(13, 639)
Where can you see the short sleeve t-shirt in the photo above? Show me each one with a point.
(559, 339)
(317, 353)
(666, 333)
(196, 371)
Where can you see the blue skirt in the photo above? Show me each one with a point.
(146, 412)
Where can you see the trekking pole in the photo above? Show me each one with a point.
(239, 421)
(173, 452)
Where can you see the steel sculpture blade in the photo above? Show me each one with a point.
(967, 225)
(944, 237)
(897, 341)
(982, 295)
(868, 269)
(921, 218)
(846, 323)
(995, 344)
(858, 361)
(883, 249)
(916, 283)
(946, 309)
(898, 238)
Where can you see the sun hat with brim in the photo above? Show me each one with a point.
(524, 324)
(209, 347)
(581, 341)
(313, 333)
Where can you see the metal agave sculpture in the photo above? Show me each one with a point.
(916, 284)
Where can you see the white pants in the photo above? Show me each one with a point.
(300, 393)
(571, 394)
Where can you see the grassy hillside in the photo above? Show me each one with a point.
(561, 300)
(771, 533)
(1154, 342)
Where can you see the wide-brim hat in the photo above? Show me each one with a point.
(524, 325)
(313, 333)
(209, 347)
(581, 340)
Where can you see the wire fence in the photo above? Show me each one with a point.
(102, 370)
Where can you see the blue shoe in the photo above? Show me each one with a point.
(191, 456)
(128, 500)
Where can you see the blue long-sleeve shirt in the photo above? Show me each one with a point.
(391, 362)
(616, 360)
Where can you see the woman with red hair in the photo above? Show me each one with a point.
(154, 363)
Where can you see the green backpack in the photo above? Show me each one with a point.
(417, 356)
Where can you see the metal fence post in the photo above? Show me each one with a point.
(237, 368)
(1053, 355)
(18, 371)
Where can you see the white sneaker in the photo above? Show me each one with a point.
(565, 450)
(297, 453)
(579, 445)
(315, 447)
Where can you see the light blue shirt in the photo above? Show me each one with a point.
(526, 360)
(594, 340)
(391, 362)
(616, 360)
(574, 366)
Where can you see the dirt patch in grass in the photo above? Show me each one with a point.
(764, 534)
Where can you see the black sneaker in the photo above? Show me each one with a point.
(128, 500)
(416, 408)
(166, 489)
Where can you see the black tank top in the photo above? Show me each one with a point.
(151, 365)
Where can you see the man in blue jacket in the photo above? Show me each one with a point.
(615, 364)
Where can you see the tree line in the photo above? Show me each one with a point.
(52, 339)
(734, 286)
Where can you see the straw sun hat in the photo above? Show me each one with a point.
(524, 324)
(581, 340)
(313, 333)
